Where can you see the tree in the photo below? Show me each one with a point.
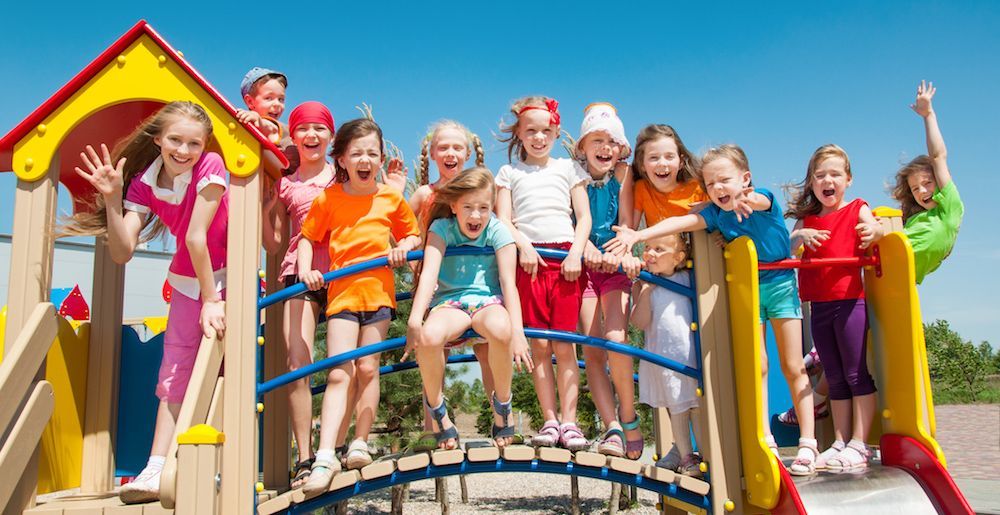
(956, 365)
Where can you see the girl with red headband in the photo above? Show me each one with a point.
(311, 127)
(538, 197)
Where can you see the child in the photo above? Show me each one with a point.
(358, 215)
(468, 291)
(312, 130)
(601, 148)
(666, 319)
(830, 227)
(664, 172)
(263, 91)
(738, 210)
(169, 183)
(537, 199)
(932, 208)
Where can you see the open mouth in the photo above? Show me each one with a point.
(364, 175)
(724, 199)
(927, 200)
(473, 228)
(829, 192)
(180, 161)
(451, 166)
(311, 146)
(603, 159)
(664, 174)
(539, 148)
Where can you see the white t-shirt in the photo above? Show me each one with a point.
(670, 336)
(540, 197)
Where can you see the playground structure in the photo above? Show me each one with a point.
(215, 468)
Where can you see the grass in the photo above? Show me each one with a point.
(989, 395)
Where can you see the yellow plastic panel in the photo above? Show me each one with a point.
(760, 467)
(144, 71)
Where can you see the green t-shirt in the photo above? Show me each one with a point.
(932, 233)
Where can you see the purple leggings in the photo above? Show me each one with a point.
(839, 331)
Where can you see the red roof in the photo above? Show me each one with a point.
(92, 69)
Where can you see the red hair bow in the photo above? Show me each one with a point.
(551, 105)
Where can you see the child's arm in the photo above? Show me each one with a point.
(812, 238)
(622, 243)
(108, 180)
(869, 229)
(626, 196)
(313, 279)
(744, 205)
(592, 256)
(394, 176)
(641, 313)
(507, 267)
(571, 266)
(213, 312)
(433, 254)
(275, 222)
(527, 255)
(935, 142)
(397, 255)
(247, 116)
(417, 200)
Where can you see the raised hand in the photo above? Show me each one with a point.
(106, 178)
(395, 174)
(742, 206)
(623, 241)
(922, 105)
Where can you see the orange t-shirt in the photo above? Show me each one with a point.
(359, 227)
(656, 206)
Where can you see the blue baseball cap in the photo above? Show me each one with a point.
(253, 76)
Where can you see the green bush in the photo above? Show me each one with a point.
(959, 370)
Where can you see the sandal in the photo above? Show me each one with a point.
(341, 454)
(828, 454)
(691, 466)
(320, 477)
(301, 473)
(814, 366)
(505, 431)
(633, 447)
(547, 436)
(773, 446)
(442, 436)
(789, 418)
(358, 456)
(805, 466)
(571, 438)
(672, 461)
(610, 447)
(853, 457)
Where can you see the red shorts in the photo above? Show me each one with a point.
(550, 302)
(599, 283)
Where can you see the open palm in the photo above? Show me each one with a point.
(106, 178)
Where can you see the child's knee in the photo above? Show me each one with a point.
(564, 351)
(339, 376)
(430, 340)
(615, 335)
(793, 369)
(497, 330)
(595, 356)
(367, 370)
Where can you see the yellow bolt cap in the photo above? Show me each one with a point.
(726, 254)
(232, 126)
(260, 407)
(729, 278)
(759, 477)
(690, 264)
(29, 163)
(886, 413)
(698, 392)
(260, 340)
(656, 457)
(261, 274)
(121, 60)
(703, 466)
(259, 487)
(659, 506)
(162, 59)
(241, 159)
(694, 326)
(729, 505)
(41, 128)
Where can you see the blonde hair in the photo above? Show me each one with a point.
(728, 151)
(473, 143)
(139, 150)
(803, 201)
(514, 144)
(653, 132)
(901, 192)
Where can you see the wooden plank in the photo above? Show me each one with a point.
(625, 465)
(659, 474)
(103, 362)
(22, 440)
(448, 457)
(344, 479)
(481, 451)
(590, 459)
(380, 468)
(239, 454)
(277, 436)
(518, 453)
(413, 461)
(554, 454)
(693, 485)
(155, 508)
(663, 435)
(25, 356)
(215, 409)
(278, 503)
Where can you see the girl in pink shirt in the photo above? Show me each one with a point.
(160, 179)
(311, 127)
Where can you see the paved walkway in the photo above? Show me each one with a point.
(970, 437)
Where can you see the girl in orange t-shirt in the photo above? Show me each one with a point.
(662, 176)
(359, 215)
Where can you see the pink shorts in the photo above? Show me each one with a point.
(181, 342)
(599, 283)
(550, 302)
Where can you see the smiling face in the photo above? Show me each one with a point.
(449, 150)
(473, 212)
(537, 136)
(661, 161)
(268, 100)
(362, 159)
(602, 153)
(181, 143)
(923, 185)
(724, 181)
(665, 254)
(830, 181)
(312, 140)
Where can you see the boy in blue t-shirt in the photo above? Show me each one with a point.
(739, 210)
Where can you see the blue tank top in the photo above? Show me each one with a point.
(603, 209)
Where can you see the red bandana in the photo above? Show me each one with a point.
(551, 105)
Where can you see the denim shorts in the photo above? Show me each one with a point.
(779, 298)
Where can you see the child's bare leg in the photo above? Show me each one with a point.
(299, 326)
(615, 305)
(482, 352)
(352, 404)
(493, 324)
(597, 362)
(680, 424)
(694, 414)
(163, 432)
(864, 412)
(568, 379)
(545, 385)
(342, 336)
(369, 389)
(841, 410)
(765, 411)
(788, 333)
(442, 326)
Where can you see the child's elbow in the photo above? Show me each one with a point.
(196, 240)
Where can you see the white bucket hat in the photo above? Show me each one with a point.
(602, 116)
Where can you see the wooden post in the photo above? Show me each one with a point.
(277, 455)
(30, 277)
(720, 442)
(239, 423)
(199, 455)
(101, 417)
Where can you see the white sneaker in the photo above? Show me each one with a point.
(358, 455)
(145, 488)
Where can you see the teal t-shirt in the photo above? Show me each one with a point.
(766, 229)
(603, 209)
(469, 279)
(932, 233)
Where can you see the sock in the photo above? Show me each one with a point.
(857, 444)
(325, 455)
(156, 463)
(806, 446)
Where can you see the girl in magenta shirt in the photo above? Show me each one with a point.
(161, 179)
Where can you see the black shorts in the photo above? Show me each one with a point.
(317, 296)
(364, 318)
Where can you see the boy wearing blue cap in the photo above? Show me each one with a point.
(263, 91)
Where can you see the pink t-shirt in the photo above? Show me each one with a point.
(173, 206)
(297, 197)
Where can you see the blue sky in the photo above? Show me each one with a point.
(779, 81)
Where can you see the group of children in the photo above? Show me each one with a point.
(593, 206)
